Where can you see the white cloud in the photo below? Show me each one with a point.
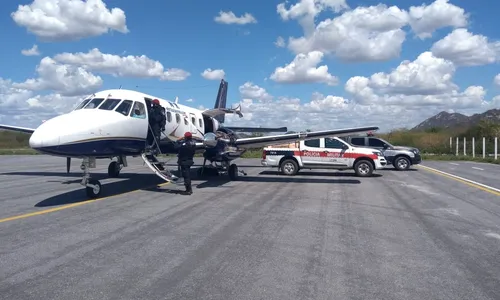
(406, 96)
(425, 19)
(280, 42)
(303, 69)
(25, 108)
(210, 74)
(496, 80)
(123, 66)
(373, 33)
(66, 80)
(465, 49)
(67, 20)
(231, 18)
(31, 52)
(254, 92)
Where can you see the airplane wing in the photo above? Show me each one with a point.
(257, 142)
(257, 129)
(17, 128)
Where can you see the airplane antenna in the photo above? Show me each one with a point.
(176, 99)
(120, 87)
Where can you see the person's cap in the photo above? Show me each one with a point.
(187, 134)
(156, 101)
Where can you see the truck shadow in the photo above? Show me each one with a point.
(317, 174)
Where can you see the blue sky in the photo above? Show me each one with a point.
(183, 34)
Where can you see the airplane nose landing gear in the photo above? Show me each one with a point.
(92, 186)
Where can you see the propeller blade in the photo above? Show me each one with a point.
(68, 164)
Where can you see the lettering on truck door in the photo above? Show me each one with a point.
(310, 153)
(335, 154)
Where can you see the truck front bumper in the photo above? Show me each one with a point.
(416, 160)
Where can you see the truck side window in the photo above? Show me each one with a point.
(333, 143)
(360, 141)
(373, 142)
(312, 143)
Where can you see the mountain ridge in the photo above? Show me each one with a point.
(446, 120)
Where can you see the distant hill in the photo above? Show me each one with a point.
(445, 120)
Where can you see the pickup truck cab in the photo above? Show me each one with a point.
(400, 157)
(323, 153)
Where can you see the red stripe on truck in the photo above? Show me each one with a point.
(333, 154)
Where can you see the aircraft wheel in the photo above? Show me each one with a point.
(233, 172)
(114, 169)
(94, 192)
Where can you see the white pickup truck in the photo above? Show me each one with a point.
(323, 153)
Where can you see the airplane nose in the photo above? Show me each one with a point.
(44, 136)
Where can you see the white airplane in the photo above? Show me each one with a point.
(114, 124)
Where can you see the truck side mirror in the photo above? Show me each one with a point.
(386, 146)
(345, 147)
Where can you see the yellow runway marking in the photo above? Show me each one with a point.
(466, 181)
(46, 211)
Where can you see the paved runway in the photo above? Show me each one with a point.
(484, 173)
(319, 235)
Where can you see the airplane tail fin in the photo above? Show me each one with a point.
(221, 100)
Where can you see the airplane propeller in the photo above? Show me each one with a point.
(68, 164)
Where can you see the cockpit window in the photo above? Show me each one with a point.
(124, 107)
(139, 111)
(82, 104)
(94, 103)
(110, 104)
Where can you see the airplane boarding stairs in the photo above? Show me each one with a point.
(158, 167)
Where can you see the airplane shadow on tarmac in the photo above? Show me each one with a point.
(129, 182)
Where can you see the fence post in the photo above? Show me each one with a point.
(456, 147)
(484, 147)
(451, 144)
(496, 148)
(465, 141)
(473, 147)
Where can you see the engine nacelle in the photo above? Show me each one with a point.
(209, 139)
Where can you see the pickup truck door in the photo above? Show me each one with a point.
(335, 151)
(311, 152)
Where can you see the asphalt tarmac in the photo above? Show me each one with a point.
(318, 235)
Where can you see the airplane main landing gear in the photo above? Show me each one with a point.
(224, 168)
(92, 186)
(115, 167)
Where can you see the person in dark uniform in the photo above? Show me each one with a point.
(187, 148)
(157, 121)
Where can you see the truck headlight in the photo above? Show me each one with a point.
(378, 153)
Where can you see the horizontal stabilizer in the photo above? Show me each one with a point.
(17, 128)
(257, 129)
(222, 111)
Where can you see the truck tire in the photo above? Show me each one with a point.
(363, 168)
(401, 163)
(289, 167)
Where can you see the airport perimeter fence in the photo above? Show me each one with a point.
(483, 147)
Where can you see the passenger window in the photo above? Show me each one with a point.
(312, 143)
(186, 121)
(110, 104)
(333, 143)
(169, 116)
(139, 111)
(193, 120)
(201, 123)
(94, 103)
(358, 141)
(177, 118)
(124, 107)
(82, 104)
(373, 142)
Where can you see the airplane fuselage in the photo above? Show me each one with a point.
(114, 123)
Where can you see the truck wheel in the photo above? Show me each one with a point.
(401, 163)
(289, 167)
(363, 168)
